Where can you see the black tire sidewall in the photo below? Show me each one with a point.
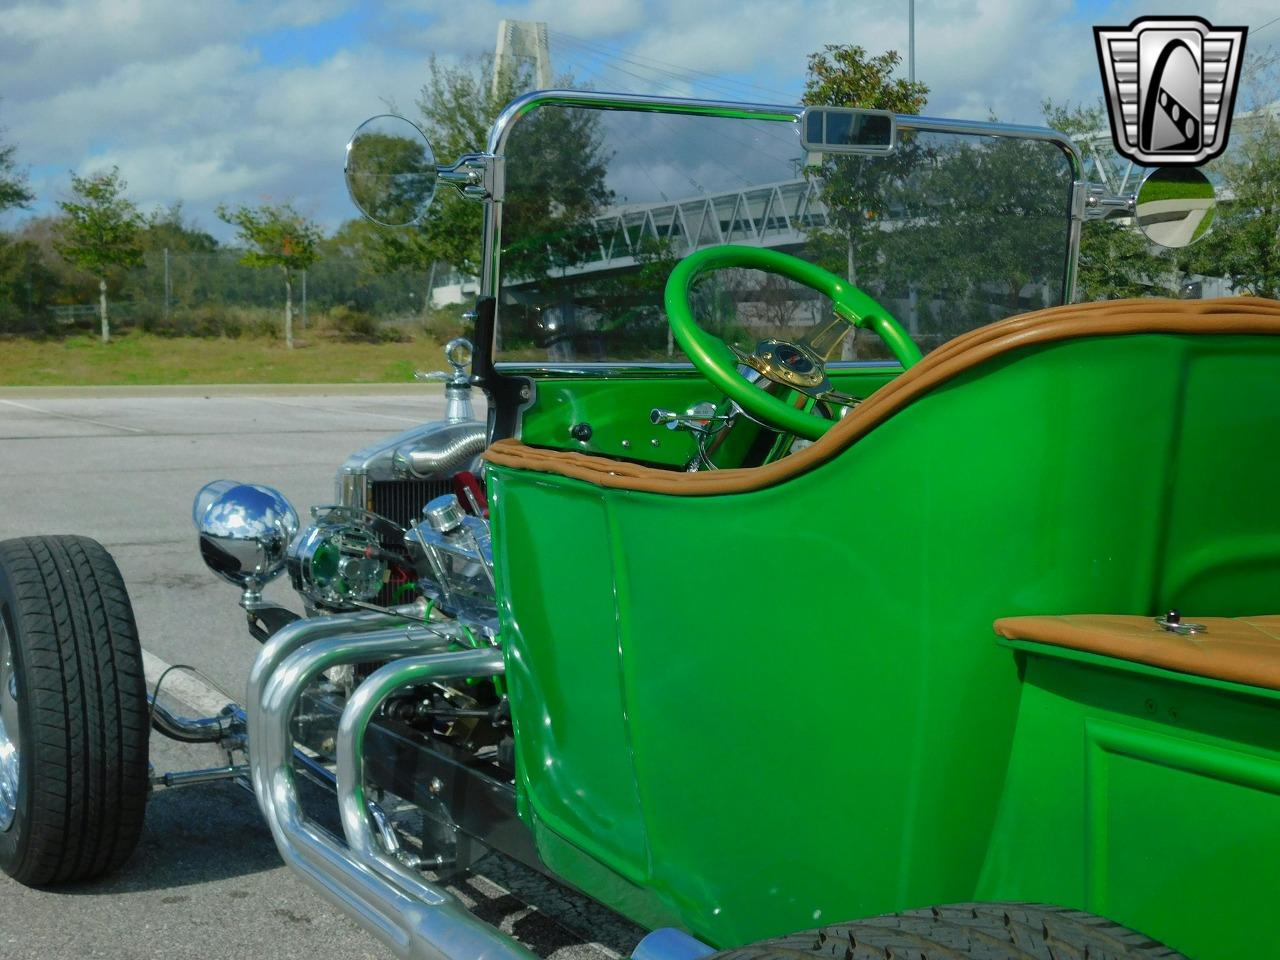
(13, 842)
(82, 711)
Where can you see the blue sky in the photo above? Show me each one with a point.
(233, 101)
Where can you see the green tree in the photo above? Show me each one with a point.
(22, 273)
(558, 183)
(99, 231)
(1244, 245)
(1116, 260)
(456, 106)
(842, 75)
(168, 228)
(179, 260)
(27, 287)
(275, 236)
(14, 191)
(983, 226)
(856, 192)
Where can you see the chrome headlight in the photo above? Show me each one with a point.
(245, 529)
(338, 559)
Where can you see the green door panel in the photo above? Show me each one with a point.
(1220, 557)
(1143, 798)
(574, 743)
(800, 711)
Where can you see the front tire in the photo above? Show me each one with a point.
(73, 712)
(964, 931)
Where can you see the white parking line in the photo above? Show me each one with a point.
(67, 416)
(183, 686)
(344, 413)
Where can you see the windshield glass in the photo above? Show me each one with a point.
(950, 232)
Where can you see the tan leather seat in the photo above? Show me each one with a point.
(1229, 315)
(1241, 650)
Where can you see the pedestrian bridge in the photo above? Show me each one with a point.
(780, 214)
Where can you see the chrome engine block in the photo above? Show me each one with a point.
(454, 555)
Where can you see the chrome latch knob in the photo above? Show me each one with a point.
(1173, 623)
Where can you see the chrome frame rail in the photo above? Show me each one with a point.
(416, 919)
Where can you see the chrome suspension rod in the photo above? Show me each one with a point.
(191, 729)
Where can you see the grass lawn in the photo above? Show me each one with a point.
(141, 358)
(1175, 185)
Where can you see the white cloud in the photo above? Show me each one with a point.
(214, 126)
(177, 95)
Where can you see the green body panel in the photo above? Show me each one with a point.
(618, 410)
(1146, 799)
(765, 710)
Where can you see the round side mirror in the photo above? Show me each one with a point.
(1175, 206)
(390, 170)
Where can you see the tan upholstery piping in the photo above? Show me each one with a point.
(1240, 650)
(1230, 315)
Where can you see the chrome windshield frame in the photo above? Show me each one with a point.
(491, 265)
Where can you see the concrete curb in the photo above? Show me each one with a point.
(225, 390)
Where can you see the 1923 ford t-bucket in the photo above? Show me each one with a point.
(712, 641)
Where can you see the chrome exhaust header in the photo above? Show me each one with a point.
(414, 918)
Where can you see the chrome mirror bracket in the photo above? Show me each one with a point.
(1095, 202)
(476, 176)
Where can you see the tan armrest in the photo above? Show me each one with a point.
(1241, 650)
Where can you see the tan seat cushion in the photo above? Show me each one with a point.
(1229, 315)
(1242, 649)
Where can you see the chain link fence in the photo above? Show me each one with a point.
(212, 294)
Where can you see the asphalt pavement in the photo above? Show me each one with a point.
(122, 465)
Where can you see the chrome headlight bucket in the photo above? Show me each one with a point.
(245, 529)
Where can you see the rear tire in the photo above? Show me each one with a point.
(965, 931)
(73, 707)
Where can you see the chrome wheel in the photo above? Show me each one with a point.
(9, 729)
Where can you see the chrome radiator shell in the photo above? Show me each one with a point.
(433, 452)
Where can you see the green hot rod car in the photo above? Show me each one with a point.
(818, 568)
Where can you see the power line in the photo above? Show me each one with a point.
(651, 77)
(761, 130)
(606, 54)
(654, 63)
(605, 60)
(668, 123)
(598, 57)
(1256, 30)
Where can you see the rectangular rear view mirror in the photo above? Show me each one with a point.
(848, 130)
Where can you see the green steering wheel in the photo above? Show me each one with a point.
(800, 365)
